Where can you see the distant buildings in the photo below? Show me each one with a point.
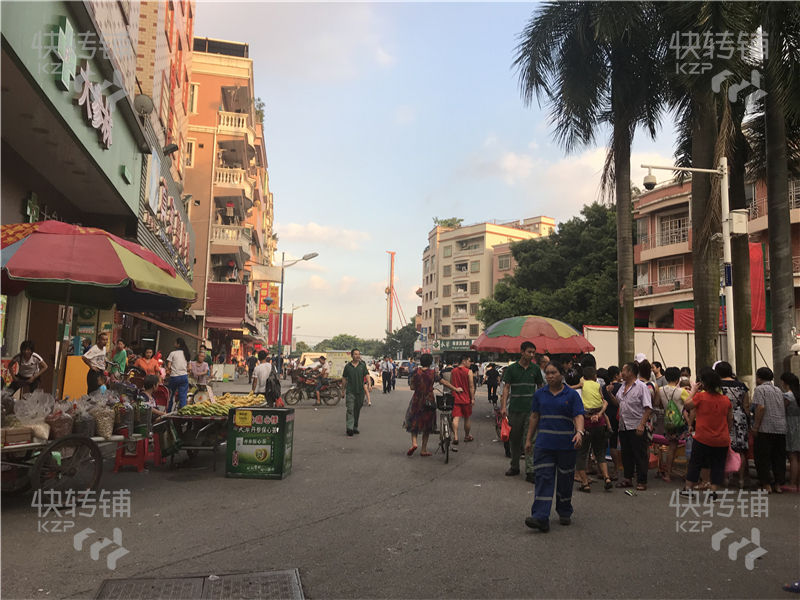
(460, 266)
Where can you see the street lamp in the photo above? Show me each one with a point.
(284, 266)
(727, 284)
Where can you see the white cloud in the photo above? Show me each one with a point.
(383, 58)
(315, 282)
(346, 283)
(404, 115)
(314, 234)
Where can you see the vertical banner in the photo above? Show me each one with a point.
(287, 328)
(272, 334)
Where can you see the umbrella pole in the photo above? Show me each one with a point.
(60, 374)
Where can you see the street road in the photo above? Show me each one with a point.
(361, 519)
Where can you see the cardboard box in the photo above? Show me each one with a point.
(17, 435)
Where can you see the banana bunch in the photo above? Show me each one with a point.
(222, 405)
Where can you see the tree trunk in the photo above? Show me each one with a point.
(781, 285)
(740, 257)
(705, 223)
(622, 184)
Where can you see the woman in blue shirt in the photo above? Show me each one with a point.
(557, 420)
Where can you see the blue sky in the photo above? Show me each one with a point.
(380, 117)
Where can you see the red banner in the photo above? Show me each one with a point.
(272, 335)
(287, 328)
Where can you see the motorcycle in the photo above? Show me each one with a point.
(330, 393)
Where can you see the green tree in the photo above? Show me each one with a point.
(452, 222)
(598, 63)
(402, 340)
(302, 347)
(570, 275)
(323, 345)
(259, 105)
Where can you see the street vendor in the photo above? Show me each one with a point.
(199, 369)
(119, 358)
(149, 386)
(148, 363)
(95, 359)
(30, 367)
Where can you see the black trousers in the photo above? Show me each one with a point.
(387, 382)
(91, 381)
(634, 454)
(491, 389)
(704, 456)
(769, 453)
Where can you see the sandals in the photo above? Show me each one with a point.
(411, 450)
(640, 487)
(625, 483)
(585, 488)
(468, 438)
(424, 454)
(608, 484)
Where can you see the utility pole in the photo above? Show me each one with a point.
(390, 293)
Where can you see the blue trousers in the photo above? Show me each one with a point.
(178, 387)
(553, 470)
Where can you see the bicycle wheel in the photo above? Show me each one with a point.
(71, 463)
(332, 395)
(293, 396)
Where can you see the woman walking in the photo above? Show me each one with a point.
(177, 369)
(713, 420)
(421, 412)
(791, 393)
(739, 395)
(559, 411)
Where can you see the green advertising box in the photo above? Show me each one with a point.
(259, 442)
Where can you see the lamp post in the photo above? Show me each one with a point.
(285, 266)
(727, 284)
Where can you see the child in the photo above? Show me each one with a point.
(148, 388)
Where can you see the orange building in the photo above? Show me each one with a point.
(231, 205)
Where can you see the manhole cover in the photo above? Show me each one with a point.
(244, 586)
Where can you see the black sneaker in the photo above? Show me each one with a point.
(542, 526)
(356, 431)
(350, 433)
(512, 472)
(564, 520)
(530, 478)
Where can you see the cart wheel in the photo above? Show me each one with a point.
(293, 396)
(332, 395)
(71, 463)
(15, 480)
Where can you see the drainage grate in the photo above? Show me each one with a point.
(244, 586)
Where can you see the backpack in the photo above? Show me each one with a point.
(273, 389)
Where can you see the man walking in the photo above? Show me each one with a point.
(520, 381)
(354, 378)
(386, 374)
(252, 361)
(462, 377)
(261, 373)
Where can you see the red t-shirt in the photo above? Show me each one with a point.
(711, 425)
(460, 378)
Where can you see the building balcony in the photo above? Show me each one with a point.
(231, 239)
(461, 294)
(231, 123)
(758, 209)
(465, 253)
(678, 289)
(234, 178)
(670, 243)
(460, 315)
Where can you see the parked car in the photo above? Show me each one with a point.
(403, 368)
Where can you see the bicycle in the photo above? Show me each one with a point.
(444, 404)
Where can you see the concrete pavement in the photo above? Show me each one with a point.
(361, 519)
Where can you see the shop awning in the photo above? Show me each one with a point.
(223, 323)
(162, 325)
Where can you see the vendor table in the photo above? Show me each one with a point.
(200, 433)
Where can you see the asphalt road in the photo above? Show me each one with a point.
(360, 519)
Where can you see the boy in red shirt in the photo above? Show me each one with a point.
(463, 401)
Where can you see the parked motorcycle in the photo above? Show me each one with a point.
(330, 393)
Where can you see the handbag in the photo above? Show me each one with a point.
(505, 430)
(430, 404)
(733, 461)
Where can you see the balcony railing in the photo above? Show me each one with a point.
(664, 286)
(231, 177)
(795, 264)
(232, 234)
(665, 238)
(461, 294)
(231, 120)
(758, 207)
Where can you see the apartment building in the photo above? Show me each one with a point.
(663, 248)
(458, 270)
(231, 205)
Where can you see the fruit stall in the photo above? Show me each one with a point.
(202, 427)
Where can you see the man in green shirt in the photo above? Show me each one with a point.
(354, 379)
(521, 380)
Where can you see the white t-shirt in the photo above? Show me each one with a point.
(323, 369)
(28, 368)
(96, 357)
(260, 375)
(177, 362)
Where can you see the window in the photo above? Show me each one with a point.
(461, 330)
(460, 310)
(473, 308)
(461, 268)
(190, 153)
(475, 266)
(673, 229)
(473, 330)
(194, 93)
(447, 251)
(446, 291)
(445, 330)
(669, 271)
(447, 270)
(642, 274)
(475, 287)
(461, 288)
(641, 231)
(504, 262)
(446, 310)
(471, 244)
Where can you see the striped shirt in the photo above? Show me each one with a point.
(556, 417)
(524, 383)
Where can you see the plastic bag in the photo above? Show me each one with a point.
(31, 411)
(733, 461)
(60, 424)
(104, 420)
(505, 430)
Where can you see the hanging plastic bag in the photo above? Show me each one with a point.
(505, 430)
(733, 461)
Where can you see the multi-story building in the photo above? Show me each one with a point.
(458, 270)
(663, 247)
(231, 205)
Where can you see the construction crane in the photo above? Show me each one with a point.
(391, 297)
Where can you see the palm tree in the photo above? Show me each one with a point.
(595, 64)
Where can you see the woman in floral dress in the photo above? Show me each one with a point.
(420, 419)
(738, 394)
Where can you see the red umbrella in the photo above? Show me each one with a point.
(549, 335)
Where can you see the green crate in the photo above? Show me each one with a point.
(259, 442)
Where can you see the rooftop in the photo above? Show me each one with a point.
(224, 47)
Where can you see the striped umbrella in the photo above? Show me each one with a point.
(549, 335)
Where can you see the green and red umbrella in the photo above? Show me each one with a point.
(549, 335)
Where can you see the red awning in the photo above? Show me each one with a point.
(223, 322)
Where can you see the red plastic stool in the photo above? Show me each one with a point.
(137, 460)
(154, 455)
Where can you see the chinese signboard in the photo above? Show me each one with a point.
(451, 345)
(268, 289)
(260, 443)
(167, 221)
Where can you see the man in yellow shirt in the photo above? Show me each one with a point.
(596, 430)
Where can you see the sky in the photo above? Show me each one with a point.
(380, 117)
